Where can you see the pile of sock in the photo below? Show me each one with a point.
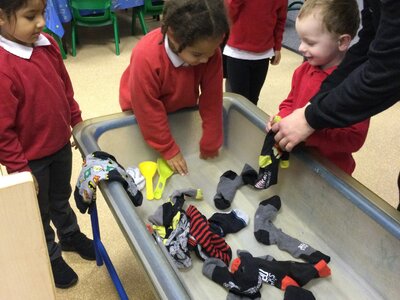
(248, 273)
(173, 226)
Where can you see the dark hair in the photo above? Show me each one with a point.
(338, 16)
(10, 7)
(192, 20)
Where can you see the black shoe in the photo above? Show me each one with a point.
(64, 276)
(78, 242)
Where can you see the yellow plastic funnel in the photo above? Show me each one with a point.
(164, 171)
(148, 169)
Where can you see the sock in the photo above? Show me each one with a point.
(200, 235)
(282, 274)
(224, 223)
(138, 178)
(165, 213)
(268, 162)
(284, 161)
(99, 166)
(297, 293)
(229, 183)
(244, 282)
(265, 232)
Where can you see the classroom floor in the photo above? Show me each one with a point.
(95, 73)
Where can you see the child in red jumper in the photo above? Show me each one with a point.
(168, 69)
(255, 39)
(326, 28)
(37, 111)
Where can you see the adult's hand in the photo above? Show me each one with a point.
(292, 130)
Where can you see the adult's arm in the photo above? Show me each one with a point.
(372, 87)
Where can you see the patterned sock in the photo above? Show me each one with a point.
(268, 162)
(265, 232)
(202, 238)
(245, 282)
(282, 274)
(270, 271)
(297, 293)
(224, 223)
(165, 213)
(99, 166)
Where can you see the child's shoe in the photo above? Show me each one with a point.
(78, 242)
(64, 276)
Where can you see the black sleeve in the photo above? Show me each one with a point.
(372, 83)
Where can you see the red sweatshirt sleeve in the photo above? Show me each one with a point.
(11, 152)
(210, 106)
(148, 108)
(348, 139)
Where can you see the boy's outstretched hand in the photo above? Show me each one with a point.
(178, 164)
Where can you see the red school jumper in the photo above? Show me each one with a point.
(336, 144)
(257, 25)
(37, 106)
(152, 87)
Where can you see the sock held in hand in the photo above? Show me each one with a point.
(268, 162)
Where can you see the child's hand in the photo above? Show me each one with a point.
(276, 59)
(204, 156)
(274, 119)
(178, 164)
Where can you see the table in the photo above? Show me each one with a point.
(58, 12)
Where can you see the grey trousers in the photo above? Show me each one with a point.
(53, 174)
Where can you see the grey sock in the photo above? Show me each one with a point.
(228, 184)
(266, 232)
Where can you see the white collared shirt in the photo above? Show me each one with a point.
(175, 59)
(22, 50)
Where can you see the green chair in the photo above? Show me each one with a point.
(148, 9)
(92, 13)
(295, 5)
(58, 40)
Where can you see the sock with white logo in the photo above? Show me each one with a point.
(265, 232)
(244, 282)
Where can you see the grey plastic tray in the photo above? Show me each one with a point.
(321, 206)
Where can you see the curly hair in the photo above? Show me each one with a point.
(192, 20)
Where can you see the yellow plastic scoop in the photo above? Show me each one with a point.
(164, 172)
(148, 169)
